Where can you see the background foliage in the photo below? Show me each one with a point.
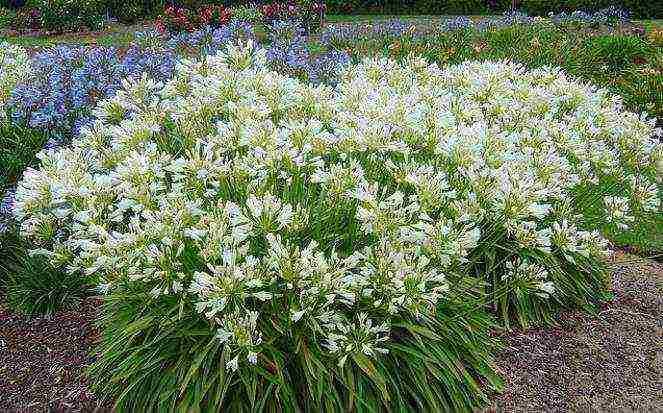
(644, 9)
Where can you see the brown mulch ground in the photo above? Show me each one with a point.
(41, 361)
(608, 362)
(612, 361)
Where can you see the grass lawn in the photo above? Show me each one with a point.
(115, 34)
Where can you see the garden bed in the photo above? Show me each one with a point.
(348, 220)
(605, 362)
(42, 360)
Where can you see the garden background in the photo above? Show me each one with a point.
(527, 304)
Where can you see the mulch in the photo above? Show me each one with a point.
(610, 361)
(41, 360)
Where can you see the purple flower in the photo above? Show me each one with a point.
(458, 23)
(7, 202)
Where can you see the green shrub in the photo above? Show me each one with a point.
(132, 11)
(541, 7)
(619, 52)
(71, 15)
(7, 18)
(640, 9)
(27, 19)
(246, 14)
(463, 7)
(644, 9)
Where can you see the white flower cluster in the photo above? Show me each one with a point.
(14, 68)
(267, 201)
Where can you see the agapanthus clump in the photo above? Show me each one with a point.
(288, 53)
(303, 223)
(209, 40)
(14, 69)
(66, 83)
(340, 33)
(609, 16)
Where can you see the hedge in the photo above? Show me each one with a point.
(642, 9)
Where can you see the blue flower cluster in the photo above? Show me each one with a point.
(387, 28)
(608, 16)
(398, 28)
(209, 40)
(288, 52)
(68, 82)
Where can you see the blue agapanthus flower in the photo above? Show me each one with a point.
(69, 81)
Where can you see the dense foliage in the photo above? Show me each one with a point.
(76, 15)
(324, 244)
(642, 9)
(31, 285)
(54, 15)
(18, 147)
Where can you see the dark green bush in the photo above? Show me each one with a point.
(132, 11)
(71, 15)
(26, 19)
(12, 4)
(644, 9)
(7, 18)
(641, 9)
(619, 52)
(464, 7)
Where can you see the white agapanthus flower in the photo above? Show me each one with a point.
(262, 199)
(619, 211)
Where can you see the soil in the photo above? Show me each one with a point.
(41, 360)
(611, 361)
